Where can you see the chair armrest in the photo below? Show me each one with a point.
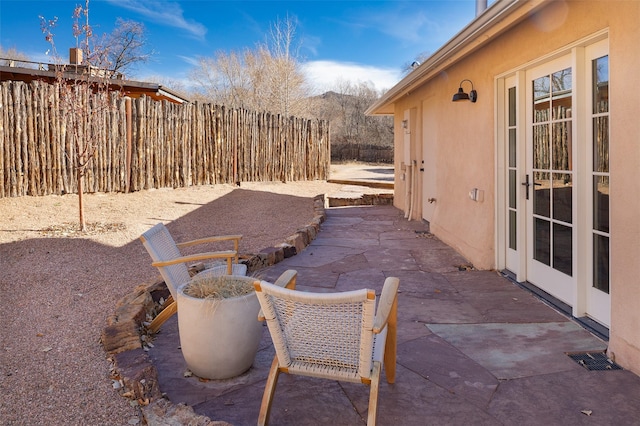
(287, 279)
(256, 285)
(387, 307)
(235, 238)
(229, 254)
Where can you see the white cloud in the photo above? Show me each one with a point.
(417, 26)
(164, 13)
(311, 44)
(191, 60)
(324, 75)
(411, 27)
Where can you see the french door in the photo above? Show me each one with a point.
(598, 298)
(555, 204)
(549, 179)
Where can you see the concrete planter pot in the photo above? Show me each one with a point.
(219, 338)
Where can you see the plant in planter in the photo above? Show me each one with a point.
(218, 325)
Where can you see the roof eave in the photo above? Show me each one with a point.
(497, 18)
(163, 91)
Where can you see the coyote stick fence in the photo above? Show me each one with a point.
(149, 144)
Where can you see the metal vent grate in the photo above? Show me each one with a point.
(595, 361)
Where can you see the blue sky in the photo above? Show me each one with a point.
(348, 40)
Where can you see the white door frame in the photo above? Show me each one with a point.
(428, 162)
(584, 299)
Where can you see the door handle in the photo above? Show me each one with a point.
(526, 184)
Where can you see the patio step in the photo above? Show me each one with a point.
(360, 195)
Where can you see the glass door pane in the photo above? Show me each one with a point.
(512, 165)
(553, 170)
(600, 120)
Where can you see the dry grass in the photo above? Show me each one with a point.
(68, 229)
(219, 287)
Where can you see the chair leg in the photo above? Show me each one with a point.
(163, 316)
(373, 394)
(269, 390)
(391, 344)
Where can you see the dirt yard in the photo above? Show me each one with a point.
(57, 286)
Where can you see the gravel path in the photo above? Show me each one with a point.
(57, 287)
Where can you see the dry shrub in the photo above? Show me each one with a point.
(219, 287)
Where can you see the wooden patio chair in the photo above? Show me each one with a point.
(173, 266)
(338, 336)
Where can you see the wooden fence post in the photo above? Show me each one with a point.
(129, 125)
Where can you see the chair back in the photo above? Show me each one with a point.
(321, 335)
(161, 247)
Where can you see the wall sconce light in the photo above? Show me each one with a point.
(405, 124)
(462, 96)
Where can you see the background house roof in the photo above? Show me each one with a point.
(134, 89)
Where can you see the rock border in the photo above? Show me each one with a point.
(125, 336)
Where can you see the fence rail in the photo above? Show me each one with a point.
(150, 144)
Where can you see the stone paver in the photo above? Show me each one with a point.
(473, 347)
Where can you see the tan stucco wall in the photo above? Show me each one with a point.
(624, 66)
(465, 152)
(462, 164)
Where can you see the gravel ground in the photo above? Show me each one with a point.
(57, 287)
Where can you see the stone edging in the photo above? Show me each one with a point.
(124, 337)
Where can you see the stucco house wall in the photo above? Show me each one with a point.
(455, 142)
(624, 342)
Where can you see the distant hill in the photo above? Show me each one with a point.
(355, 136)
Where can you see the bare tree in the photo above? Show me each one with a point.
(266, 78)
(289, 88)
(223, 79)
(85, 96)
(351, 130)
(7, 56)
(126, 46)
(281, 40)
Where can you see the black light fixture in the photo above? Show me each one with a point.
(462, 96)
